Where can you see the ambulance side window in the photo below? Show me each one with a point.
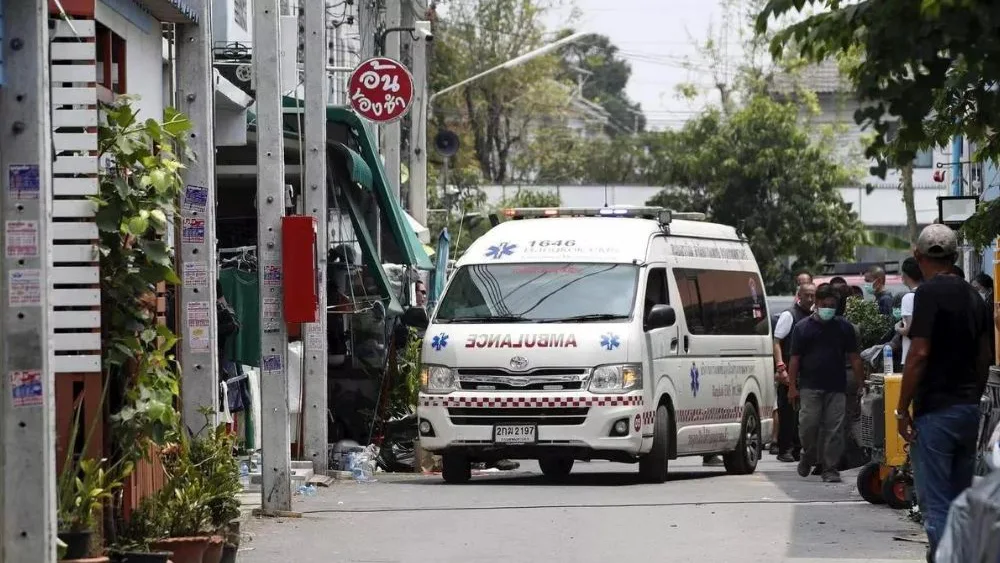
(656, 290)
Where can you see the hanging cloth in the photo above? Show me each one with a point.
(243, 295)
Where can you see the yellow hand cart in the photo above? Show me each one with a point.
(888, 478)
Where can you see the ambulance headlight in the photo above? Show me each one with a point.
(438, 379)
(620, 378)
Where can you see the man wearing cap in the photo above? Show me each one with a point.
(944, 377)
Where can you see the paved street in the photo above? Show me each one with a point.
(601, 514)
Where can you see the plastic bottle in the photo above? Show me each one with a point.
(887, 365)
(245, 475)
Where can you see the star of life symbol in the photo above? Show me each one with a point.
(439, 341)
(498, 251)
(610, 341)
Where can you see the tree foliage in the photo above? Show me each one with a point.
(936, 74)
(758, 169)
(605, 76)
(494, 115)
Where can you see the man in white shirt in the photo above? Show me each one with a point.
(788, 428)
(912, 277)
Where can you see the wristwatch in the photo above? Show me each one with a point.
(900, 415)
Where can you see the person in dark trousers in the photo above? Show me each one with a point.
(943, 380)
(875, 286)
(788, 432)
(816, 378)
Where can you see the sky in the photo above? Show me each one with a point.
(659, 38)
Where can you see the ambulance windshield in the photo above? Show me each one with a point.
(545, 292)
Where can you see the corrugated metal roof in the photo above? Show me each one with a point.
(822, 78)
(170, 11)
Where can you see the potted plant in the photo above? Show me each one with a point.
(84, 486)
(183, 507)
(133, 542)
(213, 461)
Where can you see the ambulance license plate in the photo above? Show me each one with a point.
(515, 434)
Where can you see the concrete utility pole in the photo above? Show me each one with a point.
(314, 387)
(197, 294)
(368, 25)
(393, 138)
(276, 475)
(417, 196)
(27, 456)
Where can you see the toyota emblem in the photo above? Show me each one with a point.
(518, 363)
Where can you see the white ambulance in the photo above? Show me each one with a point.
(623, 334)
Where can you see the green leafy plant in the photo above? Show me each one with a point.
(213, 462)
(83, 489)
(407, 386)
(139, 187)
(871, 324)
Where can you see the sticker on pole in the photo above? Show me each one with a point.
(195, 199)
(23, 181)
(198, 320)
(24, 288)
(380, 89)
(192, 231)
(271, 364)
(26, 387)
(21, 240)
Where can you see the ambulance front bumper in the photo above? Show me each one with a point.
(584, 422)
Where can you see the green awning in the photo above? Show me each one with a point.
(405, 238)
(357, 167)
(370, 255)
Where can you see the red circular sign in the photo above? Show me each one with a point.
(380, 90)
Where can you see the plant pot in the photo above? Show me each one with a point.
(184, 550)
(229, 554)
(77, 544)
(140, 557)
(88, 560)
(214, 552)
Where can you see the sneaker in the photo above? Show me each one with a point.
(804, 469)
(712, 461)
(774, 449)
(786, 458)
(818, 470)
(831, 477)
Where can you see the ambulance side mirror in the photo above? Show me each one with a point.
(416, 317)
(660, 316)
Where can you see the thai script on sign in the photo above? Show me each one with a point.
(521, 341)
(381, 89)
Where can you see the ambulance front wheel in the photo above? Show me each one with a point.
(456, 468)
(556, 468)
(653, 466)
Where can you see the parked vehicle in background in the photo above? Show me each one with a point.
(625, 334)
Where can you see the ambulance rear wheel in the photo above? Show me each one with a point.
(456, 469)
(870, 483)
(653, 466)
(743, 460)
(556, 467)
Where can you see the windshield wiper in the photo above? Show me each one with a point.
(500, 319)
(585, 318)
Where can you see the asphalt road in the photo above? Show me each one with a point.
(600, 514)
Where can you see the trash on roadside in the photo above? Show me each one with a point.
(362, 465)
(306, 490)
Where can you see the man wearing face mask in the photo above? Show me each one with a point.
(816, 378)
(875, 286)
